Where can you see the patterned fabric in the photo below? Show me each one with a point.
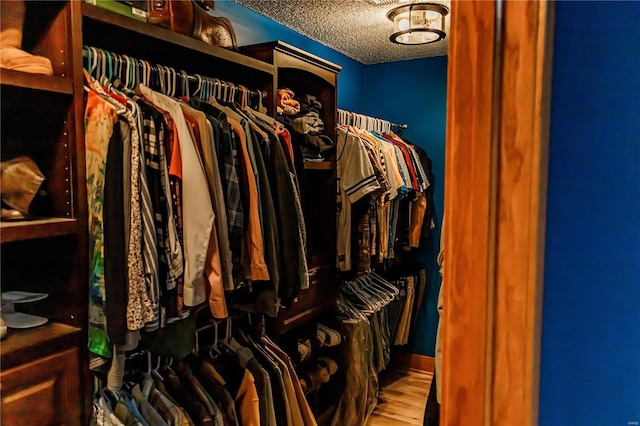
(424, 184)
(169, 245)
(149, 183)
(356, 179)
(175, 187)
(99, 118)
(139, 307)
(231, 181)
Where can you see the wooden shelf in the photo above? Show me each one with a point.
(45, 83)
(40, 228)
(318, 165)
(305, 316)
(293, 58)
(105, 16)
(22, 345)
(314, 301)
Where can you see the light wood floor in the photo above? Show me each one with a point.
(402, 400)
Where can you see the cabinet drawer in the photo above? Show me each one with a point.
(43, 392)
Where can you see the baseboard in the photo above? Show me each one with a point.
(414, 362)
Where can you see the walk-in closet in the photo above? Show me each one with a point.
(238, 224)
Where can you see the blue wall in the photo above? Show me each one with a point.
(374, 90)
(415, 93)
(590, 373)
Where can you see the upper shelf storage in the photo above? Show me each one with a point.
(283, 55)
(111, 31)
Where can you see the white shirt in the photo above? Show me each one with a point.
(197, 211)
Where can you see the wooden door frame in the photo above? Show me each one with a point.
(495, 203)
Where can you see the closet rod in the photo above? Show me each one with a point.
(192, 78)
(398, 126)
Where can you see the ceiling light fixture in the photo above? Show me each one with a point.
(418, 23)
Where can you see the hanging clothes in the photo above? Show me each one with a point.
(395, 217)
(225, 383)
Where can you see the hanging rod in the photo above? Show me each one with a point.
(196, 78)
(366, 117)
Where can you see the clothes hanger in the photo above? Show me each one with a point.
(225, 90)
(126, 66)
(174, 81)
(211, 86)
(198, 90)
(347, 308)
(185, 83)
(382, 281)
(359, 299)
(167, 74)
(160, 78)
(135, 68)
(214, 352)
(232, 93)
(261, 108)
(383, 295)
(96, 62)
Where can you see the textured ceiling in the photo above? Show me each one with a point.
(356, 28)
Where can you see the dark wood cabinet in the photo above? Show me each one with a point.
(43, 368)
(45, 391)
(304, 74)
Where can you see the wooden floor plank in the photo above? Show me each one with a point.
(402, 399)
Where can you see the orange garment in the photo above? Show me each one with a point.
(215, 269)
(253, 235)
(418, 208)
(247, 402)
(285, 102)
(175, 168)
(286, 136)
(212, 264)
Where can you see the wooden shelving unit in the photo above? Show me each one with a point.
(35, 229)
(42, 119)
(50, 254)
(36, 82)
(21, 344)
(319, 165)
(305, 73)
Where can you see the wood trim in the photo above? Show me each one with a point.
(414, 362)
(522, 190)
(468, 229)
(495, 189)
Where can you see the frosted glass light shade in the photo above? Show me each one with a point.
(418, 23)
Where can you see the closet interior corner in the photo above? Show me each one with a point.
(216, 242)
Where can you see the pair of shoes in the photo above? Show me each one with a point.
(11, 55)
(317, 373)
(304, 349)
(322, 337)
(331, 336)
